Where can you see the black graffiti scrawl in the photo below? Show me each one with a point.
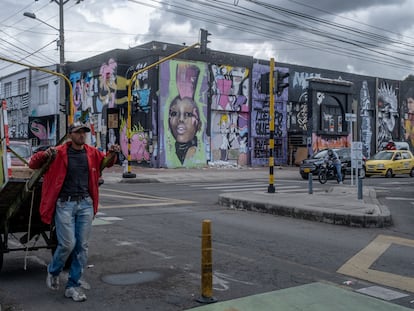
(387, 106)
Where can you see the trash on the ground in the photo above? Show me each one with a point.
(91, 266)
(348, 283)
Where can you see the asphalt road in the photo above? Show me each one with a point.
(145, 249)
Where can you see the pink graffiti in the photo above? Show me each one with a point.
(139, 146)
(224, 88)
(39, 130)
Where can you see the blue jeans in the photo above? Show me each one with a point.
(73, 222)
(338, 168)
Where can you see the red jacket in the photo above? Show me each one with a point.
(55, 176)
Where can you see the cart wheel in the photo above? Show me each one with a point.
(1, 251)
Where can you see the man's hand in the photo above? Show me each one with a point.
(115, 148)
(51, 152)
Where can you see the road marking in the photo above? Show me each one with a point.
(359, 265)
(110, 218)
(381, 292)
(149, 200)
(399, 198)
(244, 186)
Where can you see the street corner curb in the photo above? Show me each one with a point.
(383, 211)
(139, 180)
(279, 209)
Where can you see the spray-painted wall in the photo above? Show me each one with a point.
(229, 113)
(363, 105)
(388, 114)
(183, 114)
(407, 113)
(94, 91)
(260, 121)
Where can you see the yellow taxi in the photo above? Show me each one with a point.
(388, 163)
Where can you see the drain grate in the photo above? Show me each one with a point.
(138, 277)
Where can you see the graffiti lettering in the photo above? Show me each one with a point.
(261, 148)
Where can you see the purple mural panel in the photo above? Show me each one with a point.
(260, 122)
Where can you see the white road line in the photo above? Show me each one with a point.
(399, 198)
(246, 186)
(227, 184)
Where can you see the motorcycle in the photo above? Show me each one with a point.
(328, 172)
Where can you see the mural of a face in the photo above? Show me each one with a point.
(184, 119)
(410, 105)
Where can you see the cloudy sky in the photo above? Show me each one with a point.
(370, 37)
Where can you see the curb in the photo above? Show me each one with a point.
(138, 180)
(280, 209)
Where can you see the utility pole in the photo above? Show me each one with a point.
(271, 187)
(61, 46)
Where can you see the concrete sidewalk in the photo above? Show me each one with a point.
(338, 205)
(310, 297)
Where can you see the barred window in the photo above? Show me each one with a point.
(22, 86)
(7, 89)
(43, 94)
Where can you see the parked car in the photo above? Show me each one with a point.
(314, 163)
(388, 163)
(23, 149)
(399, 145)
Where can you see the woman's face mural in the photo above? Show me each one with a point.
(184, 120)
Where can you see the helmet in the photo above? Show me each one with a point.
(330, 152)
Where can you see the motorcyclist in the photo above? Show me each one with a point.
(333, 157)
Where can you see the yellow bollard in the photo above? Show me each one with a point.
(206, 265)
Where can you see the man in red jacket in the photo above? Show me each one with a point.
(70, 196)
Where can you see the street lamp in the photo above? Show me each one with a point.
(61, 44)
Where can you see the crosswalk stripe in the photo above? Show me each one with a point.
(399, 198)
(239, 187)
(227, 184)
(245, 186)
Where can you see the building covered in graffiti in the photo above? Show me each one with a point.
(198, 108)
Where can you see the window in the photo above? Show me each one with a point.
(331, 119)
(43, 94)
(7, 89)
(21, 86)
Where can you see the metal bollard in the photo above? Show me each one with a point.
(310, 177)
(360, 195)
(206, 265)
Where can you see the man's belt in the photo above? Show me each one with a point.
(73, 198)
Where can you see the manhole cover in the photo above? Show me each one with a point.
(131, 278)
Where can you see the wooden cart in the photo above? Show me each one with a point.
(19, 214)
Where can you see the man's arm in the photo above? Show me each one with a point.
(41, 157)
(110, 157)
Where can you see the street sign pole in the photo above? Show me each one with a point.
(351, 117)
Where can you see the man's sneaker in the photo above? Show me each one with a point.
(52, 281)
(75, 293)
(83, 284)
(341, 183)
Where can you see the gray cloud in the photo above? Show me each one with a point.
(90, 29)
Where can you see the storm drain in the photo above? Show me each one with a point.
(138, 277)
